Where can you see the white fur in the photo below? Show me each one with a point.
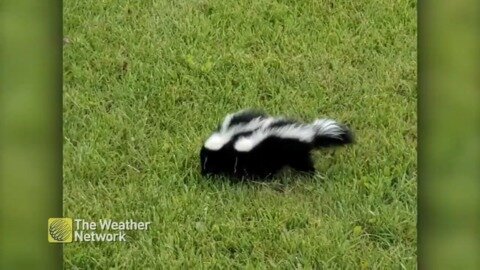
(260, 127)
(300, 132)
(226, 122)
(216, 141)
(328, 127)
(221, 138)
(305, 133)
(244, 144)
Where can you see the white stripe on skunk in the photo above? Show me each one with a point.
(228, 129)
(222, 137)
(304, 133)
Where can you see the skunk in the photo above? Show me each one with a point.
(252, 144)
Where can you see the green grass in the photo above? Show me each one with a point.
(145, 82)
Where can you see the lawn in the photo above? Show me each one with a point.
(145, 82)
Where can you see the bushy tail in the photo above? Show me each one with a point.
(329, 133)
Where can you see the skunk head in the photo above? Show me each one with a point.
(217, 156)
(220, 161)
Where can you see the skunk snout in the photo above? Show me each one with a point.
(216, 162)
(204, 161)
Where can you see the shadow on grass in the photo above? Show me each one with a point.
(283, 182)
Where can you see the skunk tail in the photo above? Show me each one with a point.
(329, 133)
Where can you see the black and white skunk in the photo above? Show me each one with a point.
(252, 144)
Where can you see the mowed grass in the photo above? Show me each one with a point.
(145, 82)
